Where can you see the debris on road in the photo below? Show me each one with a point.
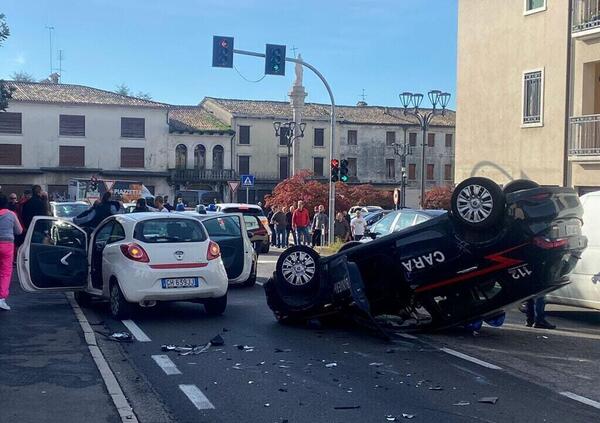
(462, 403)
(376, 364)
(246, 348)
(121, 337)
(408, 416)
(218, 340)
(488, 400)
(347, 407)
(436, 388)
(267, 404)
(282, 350)
(331, 365)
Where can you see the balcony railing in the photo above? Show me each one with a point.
(586, 17)
(202, 175)
(585, 136)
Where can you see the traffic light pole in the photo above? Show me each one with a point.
(332, 131)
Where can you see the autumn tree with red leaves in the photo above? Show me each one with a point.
(438, 198)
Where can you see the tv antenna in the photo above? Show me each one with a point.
(50, 29)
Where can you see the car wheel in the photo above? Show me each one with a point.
(349, 244)
(518, 185)
(478, 203)
(83, 299)
(251, 281)
(215, 306)
(119, 307)
(298, 268)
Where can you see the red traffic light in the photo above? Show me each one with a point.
(335, 163)
(224, 44)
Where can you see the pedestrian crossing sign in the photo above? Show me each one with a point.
(247, 180)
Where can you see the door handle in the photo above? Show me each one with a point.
(64, 259)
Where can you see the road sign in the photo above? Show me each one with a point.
(233, 185)
(247, 180)
(396, 196)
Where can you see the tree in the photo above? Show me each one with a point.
(4, 31)
(5, 91)
(22, 77)
(143, 95)
(123, 89)
(438, 198)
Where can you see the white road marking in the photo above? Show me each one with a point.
(136, 331)
(558, 332)
(165, 363)
(581, 399)
(471, 359)
(196, 396)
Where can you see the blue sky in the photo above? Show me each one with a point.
(164, 48)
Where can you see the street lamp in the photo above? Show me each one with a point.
(290, 131)
(402, 150)
(411, 103)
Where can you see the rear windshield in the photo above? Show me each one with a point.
(223, 226)
(69, 210)
(244, 210)
(251, 222)
(169, 230)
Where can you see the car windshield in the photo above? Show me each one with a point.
(383, 227)
(169, 230)
(223, 226)
(69, 210)
(244, 210)
(251, 223)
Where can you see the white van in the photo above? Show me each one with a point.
(584, 289)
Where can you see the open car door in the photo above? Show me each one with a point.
(53, 256)
(228, 231)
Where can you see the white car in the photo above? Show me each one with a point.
(363, 210)
(248, 210)
(68, 209)
(137, 258)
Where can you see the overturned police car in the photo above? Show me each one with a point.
(494, 248)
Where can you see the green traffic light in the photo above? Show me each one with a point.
(344, 178)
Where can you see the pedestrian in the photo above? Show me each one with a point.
(99, 211)
(536, 314)
(358, 225)
(12, 202)
(159, 202)
(9, 228)
(288, 228)
(35, 206)
(140, 206)
(279, 223)
(167, 205)
(24, 198)
(346, 216)
(272, 226)
(180, 206)
(286, 234)
(341, 228)
(319, 223)
(301, 223)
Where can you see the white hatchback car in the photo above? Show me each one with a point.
(130, 258)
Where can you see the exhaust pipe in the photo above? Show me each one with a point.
(147, 304)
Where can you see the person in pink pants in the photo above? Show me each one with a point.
(9, 227)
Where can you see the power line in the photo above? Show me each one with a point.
(246, 79)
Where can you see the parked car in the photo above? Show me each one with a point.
(373, 217)
(584, 289)
(137, 258)
(400, 219)
(249, 210)
(363, 209)
(260, 235)
(493, 249)
(229, 230)
(68, 209)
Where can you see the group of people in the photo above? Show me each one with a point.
(305, 229)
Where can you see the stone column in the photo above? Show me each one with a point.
(297, 95)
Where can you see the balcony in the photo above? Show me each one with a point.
(202, 175)
(584, 140)
(586, 19)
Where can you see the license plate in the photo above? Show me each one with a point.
(179, 283)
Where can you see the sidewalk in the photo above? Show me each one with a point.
(46, 371)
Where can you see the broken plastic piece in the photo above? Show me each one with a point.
(436, 388)
(279, 350)
(121, 336)
(462, 403)
(376, 364)
(488, 400)
(408, 416)
(347, 407)
(331, 365)
(218, 340)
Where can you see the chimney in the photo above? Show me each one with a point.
(361, 104)
(54, 78)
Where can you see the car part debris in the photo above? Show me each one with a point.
(347, 407)
(331, 365)
(121, 336)
(217, 341)
(436, 388)
(280, 350)
(488, 400)
(376, 364)
(462, 403)
(408, 416)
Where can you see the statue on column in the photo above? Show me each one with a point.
(299, 73)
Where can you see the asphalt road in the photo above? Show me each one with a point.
(267, 372)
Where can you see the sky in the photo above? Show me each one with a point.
(164, 48)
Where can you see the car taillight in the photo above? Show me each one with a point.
(541, 196)
(548, 244)
(135, 252)
(213, 251)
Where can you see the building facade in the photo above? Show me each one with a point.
(528, 91)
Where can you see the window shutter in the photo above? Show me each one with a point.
(10, 154)
(390, 138)
(71, 156)
(448, 172)
(319, 137)
(430, 170)
(132, 157)
(318, 166)
(412, 139)
(133, 127)
(412, 171)
(448, 140)
(10, 123)
(430, 140)
(244, 135)
(244, 165)
(72, 125)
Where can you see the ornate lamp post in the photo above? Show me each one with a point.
(411, 103)
(292, 132)
(402, 150)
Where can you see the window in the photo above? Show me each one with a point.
(10, 154)
(218, 158)
(61, 234)
(352, 137)
(132, 157)
(412, 171)
(430, 171)
(10, 123)
(118, 233)
(283, 132)
(430, 140)
(252, 222)
(319, 137)
(532, 6)
(390, 138)
(180, 156)
(169, 230)
(71, 156)
(406, 220)
(133, 127)
(199, 157)
(449, 140)
(71, 125)
(244, 134)
(412, 139)
(318, 166)
(283, 167)
(244, 165)
(448, 172)
(533, 87)
(351, 167)
(222, 228)
(390, 168)
(68, 210)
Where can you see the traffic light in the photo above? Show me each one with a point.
(344, 171)
(275, 60)
(222, 52)
(335, 170)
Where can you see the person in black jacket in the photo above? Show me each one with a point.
(140, 206)
(35, 206)
(92, 217)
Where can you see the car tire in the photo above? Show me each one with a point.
(284, 312)
(478, 203)
(215, 306)
(349, 244)
(83, 299)
(518, 185)
(120, 308)
(251, 281)
(298, 268)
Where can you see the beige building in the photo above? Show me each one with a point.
(528, 91)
